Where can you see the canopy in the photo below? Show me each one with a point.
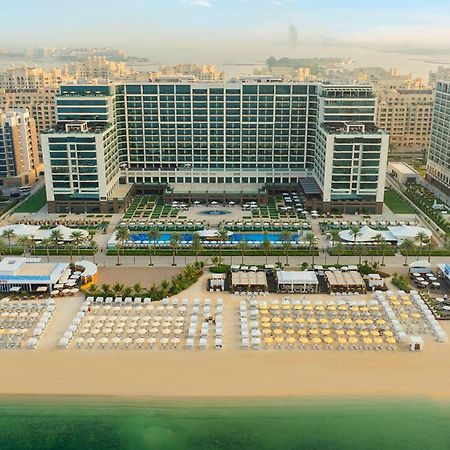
(365, 234)
(21, 229)
(297, 277)
(66, 233)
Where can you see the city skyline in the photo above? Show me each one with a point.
(241, 28)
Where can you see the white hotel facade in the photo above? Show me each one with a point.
(217, 141)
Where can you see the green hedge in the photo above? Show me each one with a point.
(168, 252)
(369, 252)
(62, 252)
(425, 254)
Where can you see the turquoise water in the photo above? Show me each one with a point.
(367, 425)
(250, 237)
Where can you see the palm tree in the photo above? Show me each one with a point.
(137, 289)
(266, 246)
(117, 289)
(56, 237)
(47, 242)
(122, 235)
(334, 236)
(196, 245)
(378, 240)
(383, 246)
(355, 232)
(9, 234)
(430, 248)
(174, 245)
(24, 242)
(286, 238)
(222, 236)
(77, 237)
(2, 249)
(94, 248)
(407, 246)
(243, 247)
(153, 236)
(311, 243)
(338, 248)
(421, 237)
(70, 247)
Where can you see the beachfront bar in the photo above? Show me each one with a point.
(29, 274)
(249, 281)
(298, 281)
(351, 281)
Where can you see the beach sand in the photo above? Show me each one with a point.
(228, 373)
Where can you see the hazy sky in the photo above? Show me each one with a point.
(231, 29)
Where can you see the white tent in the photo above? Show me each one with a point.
(403, 232)
(422, 266)
(298, 281)
(366, 234)
(21, 229)
(66, 233)
(211, 234)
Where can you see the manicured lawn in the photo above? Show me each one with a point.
(33, 203)
(395, 203)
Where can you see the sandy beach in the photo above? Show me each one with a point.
(228, 373)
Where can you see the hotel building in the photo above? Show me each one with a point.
(438, 164)
(221, 141)
(19, 157)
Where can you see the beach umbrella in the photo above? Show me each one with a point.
(375, 308)
(164, 341)
(131, 330)
(375, 333)
(340, 332)
(154, 330)
(369, 321)
(388, 333)
(298, 307)
(265, 319)
(367, 340)
(404, 316)
(336, 321)
(342, 340)
(300, 320)
(79, 341)
(290, 340)
(287, 319)
(313, 332)
(378, 340)
(325, 332)
(279, 339)
(84, 330)
(142, 331)
(328, 340)
(276, 320)
(115, 341)
(317, 340)
(278, 331)
(381, 322)
(156, 324)
(267, 331)
(177, 331)
(90, 341)
(127, 341)
(107, 330)
(268, 340)
(304, 340)
(331, 308)
(319, 308)
(350, 333)
(95, 331)
(312, 320)
(103, 341)
(151, 341)
(264, 312)
(364, 333)
(391, 340)
(275, 307)
(166, 331)
(289, 331)
(175, 341)
(140, 341)
(286, 307)
(308, 308)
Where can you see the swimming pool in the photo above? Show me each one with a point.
(251, 238)
(214, 212)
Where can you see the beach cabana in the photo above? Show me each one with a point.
(297, 281)
(248, 281)
(351, 281)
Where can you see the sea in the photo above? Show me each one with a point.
(350, 424)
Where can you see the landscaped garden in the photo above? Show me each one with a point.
(395, 203)
(34, 203)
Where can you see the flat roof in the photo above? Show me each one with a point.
(297, 277)
(403, 168)
(36, 269)
(310, 186)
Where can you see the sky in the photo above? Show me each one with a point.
(229, 30)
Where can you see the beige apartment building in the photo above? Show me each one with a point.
(26, 78)
(406, 114)
(19, 156)
(198, 72)
(98, 68)
(40, 102)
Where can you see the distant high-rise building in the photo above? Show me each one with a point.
(19, 158)
(40, 52)
(438, 163)
(292, 36)
(26, 78)
(215, 141)
(441, 74)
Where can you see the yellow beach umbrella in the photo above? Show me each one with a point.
(319, 308)
(375, 308)
(364, 333)
(404, 316)
(416, 315)
(388, 333)
(268, 340)
(317, 340)
(290, 340)
(286, 307)
(350, 333)
(266, 325)
(328, 340)
(300, 320)
(392, 297)
(308, 308)
(264, 312)
(279, 339)
(298, 307)
(405, 297)
(395, 303)
(348, 321)
(302, 332)
(331, 308)
(343, 307)
(304, 340)
(324, 320)
(313, 332)
(261, 307)
(276, 320)
(275, 306)
(407, 303)
(278, 331)
(340, 332)
(312, 320)
(287, 319)
(325, 332)
(381, 322)
(265, 319)
(355, 308)
(337, 321)
(359, 322)
(267, 331)
(342, 340)
(289, 331)
(375, 333)
(364, 309)
(369, 321)
(378, 340)
(367, 340)
(391, 340)
(352, 340)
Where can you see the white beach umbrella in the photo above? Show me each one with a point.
(166, 331)
(175, 341)
(142, 331)
(90, 341)
(103, 341)
(115, 341)
(127, 341)
(151, 341)
(140, 341)
(79, 341)
(131, 330)
(178, 331)
(118, 330)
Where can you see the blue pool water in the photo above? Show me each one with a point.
(251, 237)
(215, 212)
